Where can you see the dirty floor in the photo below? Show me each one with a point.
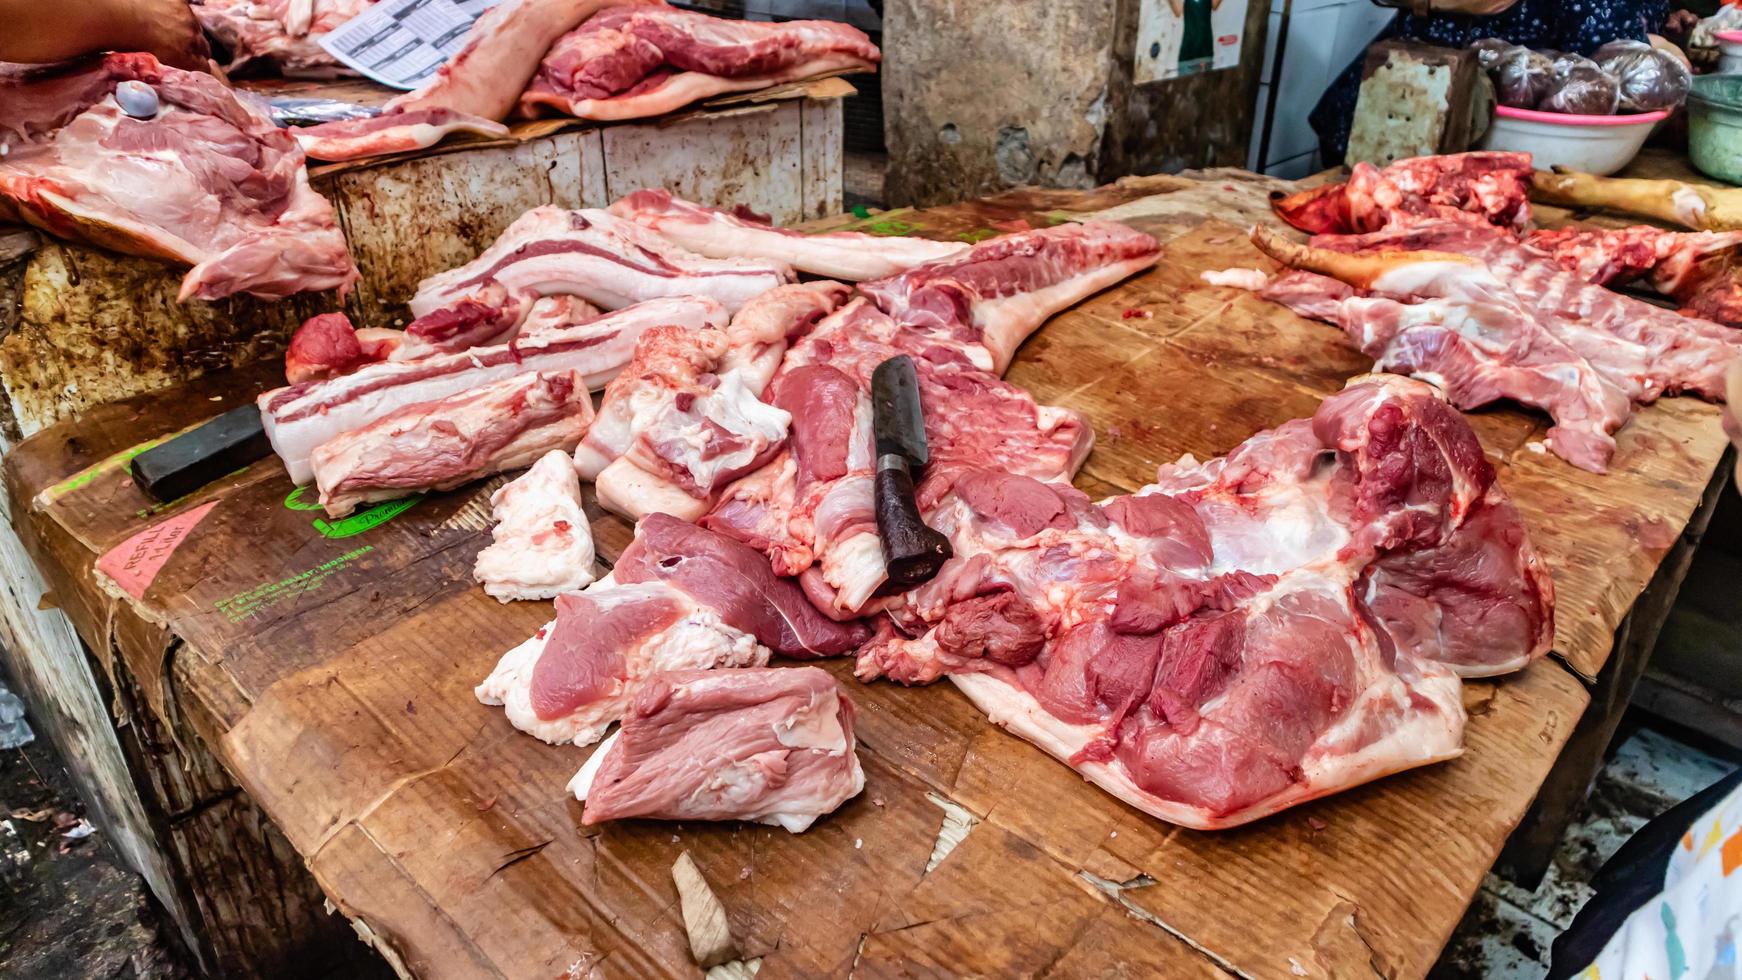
(67, 907)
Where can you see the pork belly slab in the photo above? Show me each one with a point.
(768, 745)
(606, 260)
(441, 444)
(1245, 634)
(131, 155)
(302, 416)
(541, 545)
(848, 255)
(636, 62)
(679, 597)
(398, 132)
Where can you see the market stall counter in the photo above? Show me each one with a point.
(326, 667)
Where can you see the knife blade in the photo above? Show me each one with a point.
(912, 552)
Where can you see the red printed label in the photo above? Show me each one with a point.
(136, 561)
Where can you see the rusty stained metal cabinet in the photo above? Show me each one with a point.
(81, 328)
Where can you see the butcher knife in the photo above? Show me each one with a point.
(912, 552)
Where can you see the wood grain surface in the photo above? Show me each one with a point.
(335, 676)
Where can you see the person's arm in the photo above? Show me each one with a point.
(38, 31)
(1178, 7)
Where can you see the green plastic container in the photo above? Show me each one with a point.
(1715, 126)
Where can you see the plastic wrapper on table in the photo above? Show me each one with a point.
(1648, 79)
(1523, 78)
(1583, 90)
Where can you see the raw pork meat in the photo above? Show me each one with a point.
(501, 54)
(631, 63)
(1248, 633)
(199, 176)
(812, 510)
(441, 444)
(604, 259)
(679, 597)
(326, 346)
(846, 255)
(394, 132)
(686, 417)
(1479, 343)
(282, 33)
(767, 745)
(1697, 269)
(300, 417)
(542, 545)
(1004, 288)
(1485, 187)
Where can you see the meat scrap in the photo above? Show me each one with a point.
(395, 132)
(327, 346)
(441, 444)
(1245, 634)
(127, 154)
(284, 35)
(542, 544)
(1487, 187)
(766, 745)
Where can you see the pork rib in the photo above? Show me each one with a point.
(441, 444)
(302, 416)
(198, 176)
(542, 544)
(767, 745)
(599, 257)
(836, 255)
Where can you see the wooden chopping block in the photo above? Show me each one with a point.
(1417, 100)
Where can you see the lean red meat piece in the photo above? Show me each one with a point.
(766, 745)
(812, 510)
(1484, 187)
(1643, 349)
(632, 63)
(1246, 634)
(541, 545)
(686, 417)
(284, 34)
(392, 132)
(442, 444)
(1004, 288)
(500, 56)
(599, 257)
(580, 673)
(326, 346)
(846, 255)
(737, 583)
(302, 416)
(203, 178)
(680, 597)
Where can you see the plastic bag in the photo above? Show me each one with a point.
(1648, 79)
(1489, 51)
(1522, 78)
(14, 730)
(1581, 88)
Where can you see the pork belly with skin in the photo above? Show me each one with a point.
(442, 444)
(541, 545)
(765, 745)
(302, 416)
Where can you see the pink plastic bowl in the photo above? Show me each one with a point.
(1592, 144)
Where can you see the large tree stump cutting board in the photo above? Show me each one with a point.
(333, 676)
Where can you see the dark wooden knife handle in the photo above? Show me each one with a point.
(912, 551)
